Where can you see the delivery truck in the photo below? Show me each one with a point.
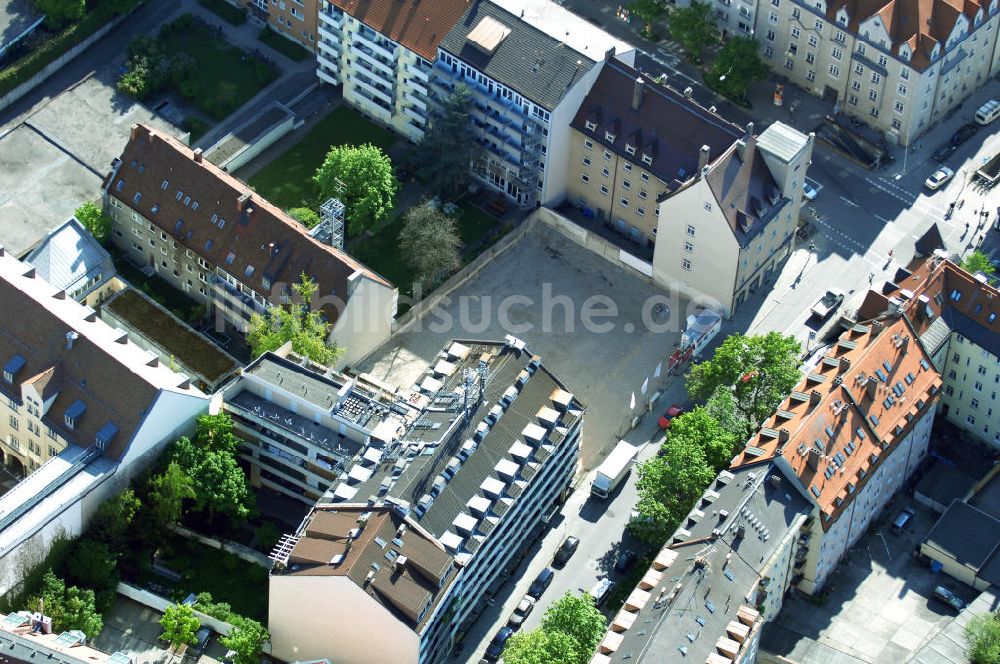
(614, 469)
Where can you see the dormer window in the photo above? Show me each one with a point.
(164, 185)
(609, 137)
(155, 208)
(647, 159)
(73, 413)
(590, 125)
(630, 149)
(137, 197)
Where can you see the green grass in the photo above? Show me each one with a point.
(473, 223)
(380, 251)
(224, 77)
(196, 127)
(230, 579)
(283, 45)
(225, 11)
(159, 290)
(287, 181)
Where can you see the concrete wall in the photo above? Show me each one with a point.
(952, 567)
(57, 64)
(971, 386)
(367, 320)
(160, 604)
(235, 548)
(326, 617)
(259, 143)
(17, 562)
(597, 244)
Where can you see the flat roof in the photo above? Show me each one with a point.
(944, 483)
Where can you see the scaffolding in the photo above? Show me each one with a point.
(330, 229)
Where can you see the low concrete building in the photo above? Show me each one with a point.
(466, 485)
(849, 436)
(206, 233)
(87, 411)
(71, 259)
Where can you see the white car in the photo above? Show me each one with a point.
(939, 177)
(809, 191)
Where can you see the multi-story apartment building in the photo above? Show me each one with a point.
(71, 259)
(529, 65)
(634, 141)
(849, 436)
(898, 66)
(296, 19)
(957, 316)
(493, 449)
(302, 425)
(381, 52)
(730, 222)
(206, 233)
(86, 410)
(721, 575)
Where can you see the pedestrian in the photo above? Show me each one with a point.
(871, 278)
(890, 253)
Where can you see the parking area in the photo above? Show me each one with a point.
(878, 607)
(583, 315)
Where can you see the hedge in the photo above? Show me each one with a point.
(35, 61)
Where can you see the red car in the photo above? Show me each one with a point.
(668, 416)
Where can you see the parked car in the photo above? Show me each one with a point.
(522, 611)
(669, 416)
(625, 560)
(828, 302)
(951, 599)
(200, 643)
(495, 649)
(601, 590)
(566, 550)
(938, 178)
(944, 152)
(808, 191)
(541, 582)
(903, 520)
(964, 133)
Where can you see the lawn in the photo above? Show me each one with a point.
(283, 45)
(196, 127)
(287, 181)
(230, 579)
(225, 11)
(224, 77)
(473, 223)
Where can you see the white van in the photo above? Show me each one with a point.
(988, 112)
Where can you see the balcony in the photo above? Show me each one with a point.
(385, 67)
(335, 20)
(329, 51)
(418, 85)
(277, 423)
(326, 32)
(416, 100)
(328, 75)
(383, 49)
(375, 90)
(416, 114)
(422, 73)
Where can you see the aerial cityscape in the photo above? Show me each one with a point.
(519, 331)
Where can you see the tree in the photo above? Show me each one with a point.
(760, 370)
(296, 322)
(698, 427)
(167, 493)
(737, 65)
(247, 640)
(721, 407)
(215, 432)
(538, 647)
(179, 625)
(694, 27)
(361, 177)
(305, 216)
(650, 12)
(977, 261)
(430, 243)
(217, 481)
(113, 519)
(92, 564)
(449, 148)
(983, 635)
(578, 618)
(69, 607)
(60, 13)
(94, 220)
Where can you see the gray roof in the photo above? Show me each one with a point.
(711, 595)
(969, 535)
(529, 61)
(782, 141)
(69, 256)
(987, 498)
(944, 483)
(937, 333)
(317, 389)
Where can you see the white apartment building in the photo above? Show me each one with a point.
(209, 235)
(87, 410)
(898, 66)
(849, 436)
(492, 451)
(727, 227)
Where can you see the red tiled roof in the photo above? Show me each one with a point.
(936, 287)
(849, 412)
(256, 241)
(419, 25)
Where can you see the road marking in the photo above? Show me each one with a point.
(884, 221)
(849, 201)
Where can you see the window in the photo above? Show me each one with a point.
(13, 422)
(645, 177)
(641, 211)
(773, 18)
(873, 112)
(591, 126)
(899, 107)
(769, 35)
(876, 78)
(14, 443)
(840, 36)
(796, 32)
(873, 94)
(970, 419)
(978, 386)
(686, 264)
(834, 71)
(588, 144)
(904, 74)
(812, 40)
(605, 172)
(623, 202)
(861, 49)
(811, 75)
(626, 184)
(609, 137)
(810, 57)
(584, 177)
(859, 69)
(690, 230)
(856, 86)
(768, 52)
(604, 189)
(882, 61)
(627, 166)
(586, 161)
(796, 13)
(647, 159)
(982, 370)
(607, 156)
(901, 90)
(688, 247)
(852, 100)
(642, 194)
(837, 53)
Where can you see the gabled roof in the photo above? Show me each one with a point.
(744, 189)
(668, 127)
(419, 26)
(849, 413)
(69, 256)
(95, 376)
(219, 218)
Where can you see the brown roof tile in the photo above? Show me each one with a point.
(419, 26)
(218, 217)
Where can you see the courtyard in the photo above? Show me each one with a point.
(560, 298)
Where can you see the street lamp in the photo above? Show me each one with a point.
(906, 153)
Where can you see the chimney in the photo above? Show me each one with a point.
(749, 130)
(871, 386)
(400, 564)
(637, 93)
(845, 364)
(814, 397)
(242, 201)
(688, 91)
(741, 147)
(608, 54)
(783, 435)
(814, 457)
(134, 132)
(197, 155)
(703, 157)
(71, 336)
(877, 328)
